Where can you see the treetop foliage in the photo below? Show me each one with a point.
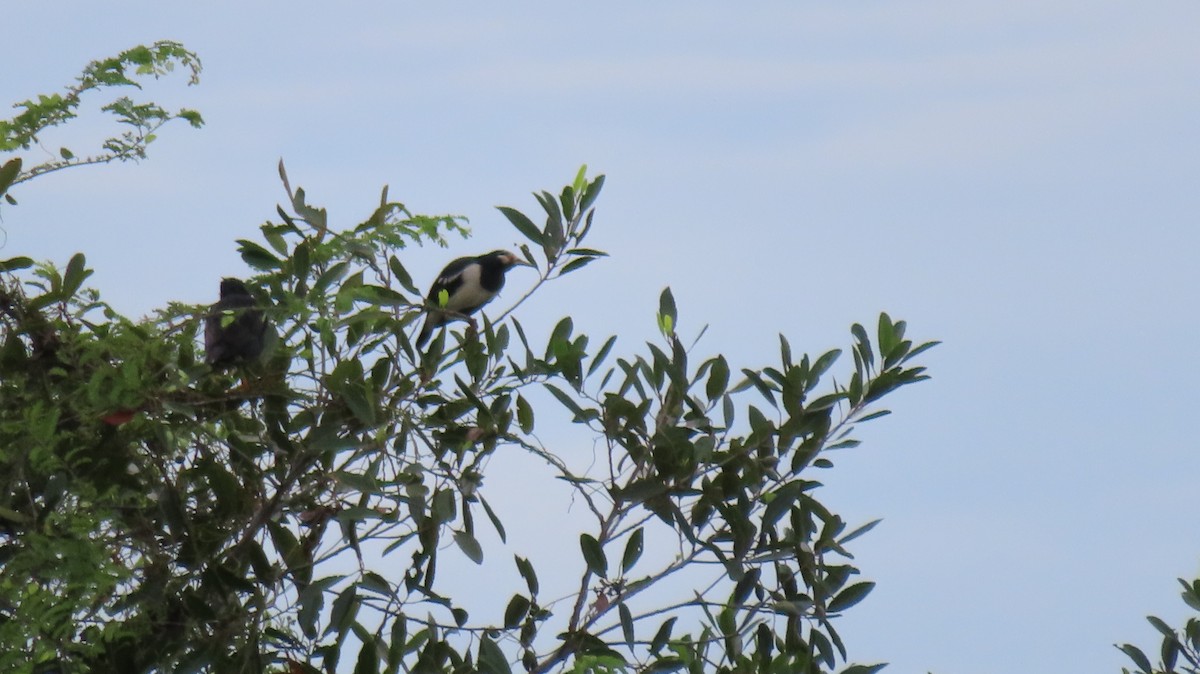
(291, 515)
(141, 120)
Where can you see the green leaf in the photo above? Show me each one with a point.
(756, 380)
(864, 343)
(665, 665)
(524, 414)
(74, 275)
(781, 502)
(368, 659)
(593, 554)
(662, 635)
(345, 607)
(470, 547)
(580, 183)
(633, 551)
(592, 192)
(15, 263)
(626, 624)
(494, 519)
(823, 364)
(518, 608)
(257, 257)
(601, 355)
(887, 334)
(667, 315)
(718, 378)
(568, 402)
(491, 659)
(577, 263)
(402, 275)
(527, 572)
(858, 532)
(746, 585)
(523, 224)
(1139, 658)
(863, 669)
(9, 173)
(850, 596)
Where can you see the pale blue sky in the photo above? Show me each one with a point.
(1015, 179)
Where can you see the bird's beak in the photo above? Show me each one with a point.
(514, 261)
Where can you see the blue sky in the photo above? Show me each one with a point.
(1017, 180)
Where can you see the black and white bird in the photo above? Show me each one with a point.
(234, 330)
(470, 283)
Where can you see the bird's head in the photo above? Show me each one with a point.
(508, 259)
(231, 287)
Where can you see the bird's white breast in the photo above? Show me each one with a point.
(471, 293)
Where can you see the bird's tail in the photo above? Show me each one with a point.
(432, 321)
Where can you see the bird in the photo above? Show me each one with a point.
(234, 330)
(469, 283)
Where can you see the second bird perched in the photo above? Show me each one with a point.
(234, 330)
(469, 283)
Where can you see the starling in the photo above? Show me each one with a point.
(470, 283)
(234, 329)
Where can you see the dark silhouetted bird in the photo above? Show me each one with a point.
(470, 283)
(234, 330)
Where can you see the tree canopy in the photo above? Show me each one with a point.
(291, 513)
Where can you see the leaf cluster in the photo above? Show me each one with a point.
(1179, 651)
(140, 121)
(290, 515)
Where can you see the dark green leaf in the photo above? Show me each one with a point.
(718, 378)
(662, 635)
(494, 519)
(822, 365)
(9, 173)
(886, 334)
(568, 402)
(524, 414)
(345, 607)
(257, 257)
(523, 224)
(527, 572)
(601, 355)
(518, 608)
(470, 547)
(781, 501)
(368, 659)
(74, 275)
(864, 343)
(1139, 658)
(858, 532)
(589, 195)
(746, 585)
(673, 664)
(491, 659)
(633, 551)
(626, 623)
(15, 263)
(754, 379)
(863, 669)
(402, 275)
(593, 554)
(576, 263)
(850, 596)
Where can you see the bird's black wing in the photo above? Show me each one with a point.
(234, 331)
(450, 278)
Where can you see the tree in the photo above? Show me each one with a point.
(290, 515)
(1177, 644)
